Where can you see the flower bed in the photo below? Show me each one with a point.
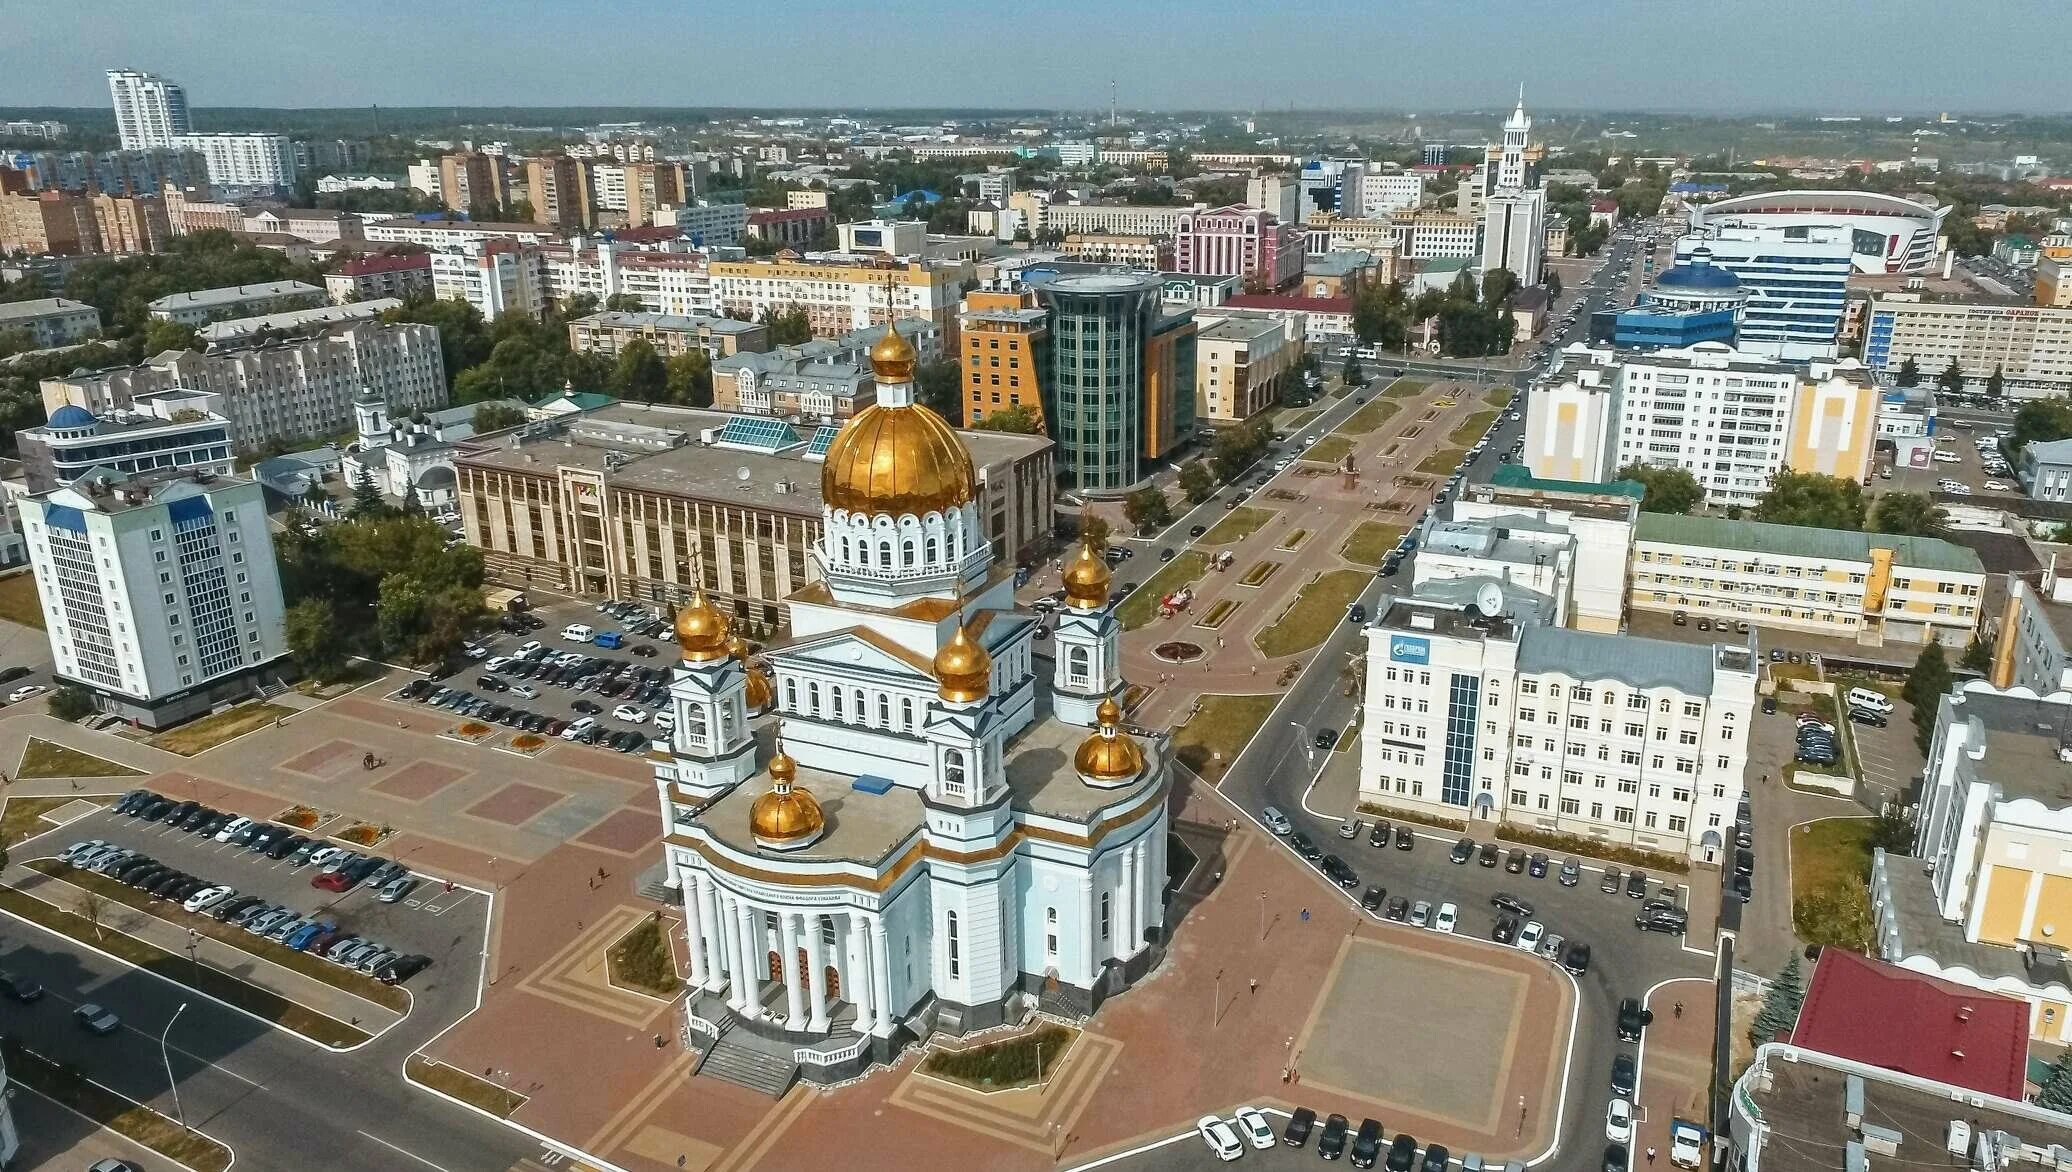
(1294, 539)
(474, 732)
(1259, 573)
(1218, 615)
(530, 744)
(364, 834)
(302, 817)
(1392, 813)
(1012, 1062)
(1611, 852)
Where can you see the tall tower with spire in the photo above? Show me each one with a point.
(1511, 172)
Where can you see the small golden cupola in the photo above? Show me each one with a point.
(758, 696)
(963, 670)
(701, 630)
(787, 817)
(1109, 757)
(1087, 579)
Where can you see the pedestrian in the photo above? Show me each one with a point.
(1255, 984)
(1284, 1074)
(1679, 1009)
(1651, 1155)
(1305, 915)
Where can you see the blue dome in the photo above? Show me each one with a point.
(1699, 274)
(72, 415)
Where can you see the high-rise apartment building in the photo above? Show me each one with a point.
(262, 164)
(149, 110)
(131, 223)
(159, 591)
(471, 179)
(285, 390)
(559, 192)
(57, 222)
(1797, 283)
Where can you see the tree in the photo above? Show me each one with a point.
(1551, 282)
(1978, 656)
(625, 303)
(1812, 500)
(1926, 685)
(1669, 490)
(1909, 513)
(1147, 509)
(70, 702)
(640, 373)
(1018, 419)
(1892, 831)
(1909, 374)
(1094, 531)
(1780, 1011)
(1197, 482)
(497, 416)
(315, 638)
(2055, 1091)
(789, 326)
(939, 386)
(2041, 419)
(412, 507)
(688, 379)
(367, 500)
(92, 905)
(161, 336)
(1995, 383)
(1237, 449)
(1952, 377)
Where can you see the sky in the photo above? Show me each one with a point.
(1727, 56)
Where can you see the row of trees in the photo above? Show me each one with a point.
(383, 583)
(520, 357)
(1470, 322)
(1951, 379)
(1799, 498)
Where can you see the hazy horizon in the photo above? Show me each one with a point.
(1610, 56)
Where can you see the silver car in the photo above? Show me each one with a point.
(1276, 821)
(1421, 914)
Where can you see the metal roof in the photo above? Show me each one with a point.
(1629, 659)
(1925, 553)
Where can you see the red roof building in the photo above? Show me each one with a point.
(1884, 1015)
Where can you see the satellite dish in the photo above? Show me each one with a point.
(1489, 599)
(742, 474)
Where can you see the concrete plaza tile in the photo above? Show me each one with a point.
(418, 780)
(514, 804)
(625, 831)
(328, 759)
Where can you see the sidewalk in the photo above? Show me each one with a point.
(306, 991)
(1676, 1066)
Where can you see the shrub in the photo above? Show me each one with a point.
(1576, 844)
(1004, 1063)
(70, 702)
(1381, 811)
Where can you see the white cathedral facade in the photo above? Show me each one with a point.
(893, 824)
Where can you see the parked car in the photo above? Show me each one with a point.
(1276, 821)
(1445, 920)
(1300, 1124)
(1463, 850)
(1253, 1126)
(20, 988)
(402, 968)
(1571, 873)
(96, 1020)
(1632, 1019)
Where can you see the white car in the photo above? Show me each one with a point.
(525, 691)
(1255, 1127)
(497, 664)
(1618, 1121)
(1998, 486)
(24, 692)
(578, 728)
(1221, 1139)
(630, 714)
(532, 647)
(231, 828)
(208, 897)
(665, 720)
(475, 650)
(1948, 458)
(1444, 921)
(1530, 935)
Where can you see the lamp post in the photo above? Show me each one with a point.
(165, 1052)
(1262, 915)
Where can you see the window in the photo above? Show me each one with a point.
(1104, 914)
(950, 934)
(1050, 931)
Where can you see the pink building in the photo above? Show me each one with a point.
(1238, 241)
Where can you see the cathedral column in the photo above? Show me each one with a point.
(1089, 925)
(750, 978)
(787, 950)
(726, 927)
(712, 935)
(1121, 942)
(857, 982)
(816, 975)
(693, 928)
(882, 967)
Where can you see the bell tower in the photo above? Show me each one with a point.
(1087, 642)
(712, 745)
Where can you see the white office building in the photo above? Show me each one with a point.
(1723, 415)
(1797, 282)
(150, 112)
(1385, 194)
(707, 225)
(1479, 709)
(159, 592)
(1514, 233)
(255, 163)
(164, 429)
(495, 276)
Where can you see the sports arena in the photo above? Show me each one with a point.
(1892, 234)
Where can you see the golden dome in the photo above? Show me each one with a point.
(963, 670)
(1109, 754)
(902, 459)
(892, 357)
(701, 631)
(759, 695)
(1087, 579)
(786, 817)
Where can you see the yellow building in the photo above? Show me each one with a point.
(1242, 364)
(1871, 587)
(840, 296)
(1834, 422)
(2054, 283)
(1005, 340)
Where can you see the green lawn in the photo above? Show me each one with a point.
(1830, 870)
(1142, 605)
(1212, 738)
(1237, 525)
(461, 1085)
(199, 736)
(19, 602)
(1470, 430)
(1370, 542)
(1320, 607)
(641, 960)
(1370, 417)
(1441, 462)
(41, 758)
(23, 817)
(1330, 450)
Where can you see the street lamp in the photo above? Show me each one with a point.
(165, 1052)
(1262, 915)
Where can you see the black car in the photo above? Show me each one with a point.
(20, 988)
(1488, 857)
(1637, 884)
(1398, 909)
(1402, 1153)
(1622, 1075)
(1331, 1144)
(1506, 929)
(1300, 1124)
(1379, 835)
(1367, 1144)
(402, 968)
(1615, 1158)
(1373, 898)
(1577, 958)
(1514, 861)
(131, 866)
(1504, 901)
(174, 816)
(152, 810)
(134, 800)
(1866, 716)
(1632, 1019)
(149, 872)
(231, 907)
(1463, 850)
(1742, 887)
(644, 650)
(1326, 738)
(1339, 872)
(1435, 1158)
(1537, 866)
(1769, 705)
(587, 707)
(1404, 839)
(1304, 847)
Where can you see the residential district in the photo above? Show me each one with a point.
(1028, 642)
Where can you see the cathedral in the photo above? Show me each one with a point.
(901, 821)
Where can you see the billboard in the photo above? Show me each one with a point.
(1410, 649)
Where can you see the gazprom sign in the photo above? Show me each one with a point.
(1410, 649)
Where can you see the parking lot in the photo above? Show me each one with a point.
(541, 679)
(444, 925)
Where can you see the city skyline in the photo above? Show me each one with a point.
(1209, 50)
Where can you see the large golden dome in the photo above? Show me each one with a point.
(1109, 754)
(963, 670)
(901, 459)
(893, 357)
(701, 630)
(1087, 579)
(787, 817)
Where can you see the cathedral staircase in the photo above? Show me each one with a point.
(748, 1061)
(650, 884)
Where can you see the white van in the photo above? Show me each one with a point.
(577, 633)
(1871, 701)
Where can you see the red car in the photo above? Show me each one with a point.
(335, 881)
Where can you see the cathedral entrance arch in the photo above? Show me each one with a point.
(834, 983)
(776, 966)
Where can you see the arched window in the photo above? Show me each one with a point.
(884, 710)
(906, 552)
(812, 697)
(791, 694)
(1077, 667)
(863, 551)
(934, 550)
(906, 713)
(694, 725)
(862, 710)
(885, 552)
(953, 771)
(834, 699)
(845, 550)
